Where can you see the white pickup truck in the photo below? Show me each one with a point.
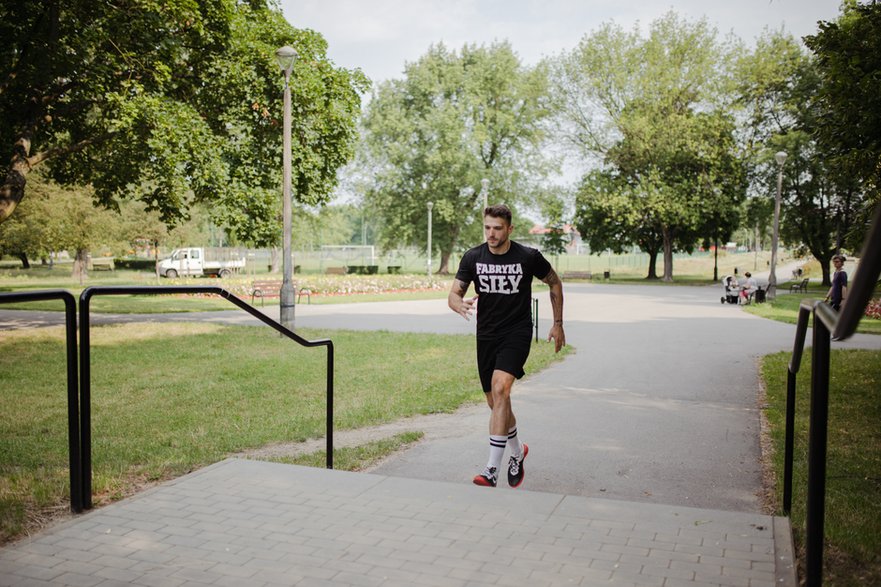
(193, 261)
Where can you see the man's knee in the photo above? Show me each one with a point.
(501, 385)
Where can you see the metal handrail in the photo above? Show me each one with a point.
(828, 325)
(73, 431)
(85, 354)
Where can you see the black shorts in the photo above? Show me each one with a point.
(506, 353)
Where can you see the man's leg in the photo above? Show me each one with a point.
(499, 401)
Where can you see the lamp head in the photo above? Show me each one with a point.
(430, 205)
(286, 56)
(780, 157)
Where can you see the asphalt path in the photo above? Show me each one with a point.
(659, 403)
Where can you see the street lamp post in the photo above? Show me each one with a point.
(430, 206)
(286, 57)
(780, 157)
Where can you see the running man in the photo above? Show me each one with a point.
(502, 272)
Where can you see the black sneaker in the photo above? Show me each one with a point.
(515, 468)
(488, 478)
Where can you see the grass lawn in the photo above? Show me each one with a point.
(785, 309)
(853, 481)
(169, 398)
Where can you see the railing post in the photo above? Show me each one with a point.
(85, 400)
(789, 433)
(329, 402)
(819, 422)
(73, 431)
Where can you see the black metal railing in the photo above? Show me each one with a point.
(535, 317)
(73, 431)
(828, 325)
(85, 356)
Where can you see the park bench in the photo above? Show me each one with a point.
(801, 286)
(102, 264)
(577, 275)
(271, 288)
(335, 271)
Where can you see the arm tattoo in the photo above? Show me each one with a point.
(459, 287)
(551, 278)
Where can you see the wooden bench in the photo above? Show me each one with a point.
(101, 263)
(577, 275)
(335, 271)
(802, 286)
(271, 288)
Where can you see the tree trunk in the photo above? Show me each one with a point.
(827, 275)
(444, 263)
(668, 255)
(79, 265)
(653, 265)
(25, 263)
(12, 190)
(274, 258)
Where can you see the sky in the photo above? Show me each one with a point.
(380, 36)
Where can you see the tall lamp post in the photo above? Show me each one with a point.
(430, 206)
(286, 56)
(780, 157)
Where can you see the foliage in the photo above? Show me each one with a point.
(652, 110)
(779, 85)
(456, 118)
(171, 103)
(848, 103)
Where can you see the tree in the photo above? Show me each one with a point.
(781, 89)
(652, 114)
(455, 119)
(169, 103)
(848, 123)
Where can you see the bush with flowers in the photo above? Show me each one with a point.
(873, 310)
(335, 285)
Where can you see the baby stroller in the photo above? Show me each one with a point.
(729, 283)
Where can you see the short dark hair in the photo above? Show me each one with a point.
(498, 211)
(841, 257)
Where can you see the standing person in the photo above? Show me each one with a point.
(838, 292)
(502, 272)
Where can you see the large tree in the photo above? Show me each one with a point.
(652, 114)
(780, 90)
(456, 118)
(170, 102)
(848, 124)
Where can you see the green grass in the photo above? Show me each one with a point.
(356, 458)
(853, 492)
(170, 398)
(786, 305)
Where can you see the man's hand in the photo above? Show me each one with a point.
(466, 308)
(457, 302)
(559, 337)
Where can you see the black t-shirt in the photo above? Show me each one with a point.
(504, 286)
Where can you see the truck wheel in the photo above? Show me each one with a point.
(224, 273)
(171, 274)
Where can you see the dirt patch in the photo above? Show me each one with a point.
(433, 426)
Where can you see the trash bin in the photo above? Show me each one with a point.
(607, 274)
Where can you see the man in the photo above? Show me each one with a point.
(502, 272)
(838, 292)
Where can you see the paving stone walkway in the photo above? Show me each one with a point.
(242, 522)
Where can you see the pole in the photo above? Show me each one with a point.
(428, 251)
(286, 297)
(772, 277)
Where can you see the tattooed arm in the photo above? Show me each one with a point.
(457, 302)
(556, 332)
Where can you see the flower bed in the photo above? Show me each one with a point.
(331, 285)
(873, 310)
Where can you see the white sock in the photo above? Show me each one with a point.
(514, 443)
(496, 451)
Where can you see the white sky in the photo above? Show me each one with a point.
(380, 36)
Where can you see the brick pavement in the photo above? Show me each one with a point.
(253, 523)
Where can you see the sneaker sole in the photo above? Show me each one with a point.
(522, 470)
(483, 481)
